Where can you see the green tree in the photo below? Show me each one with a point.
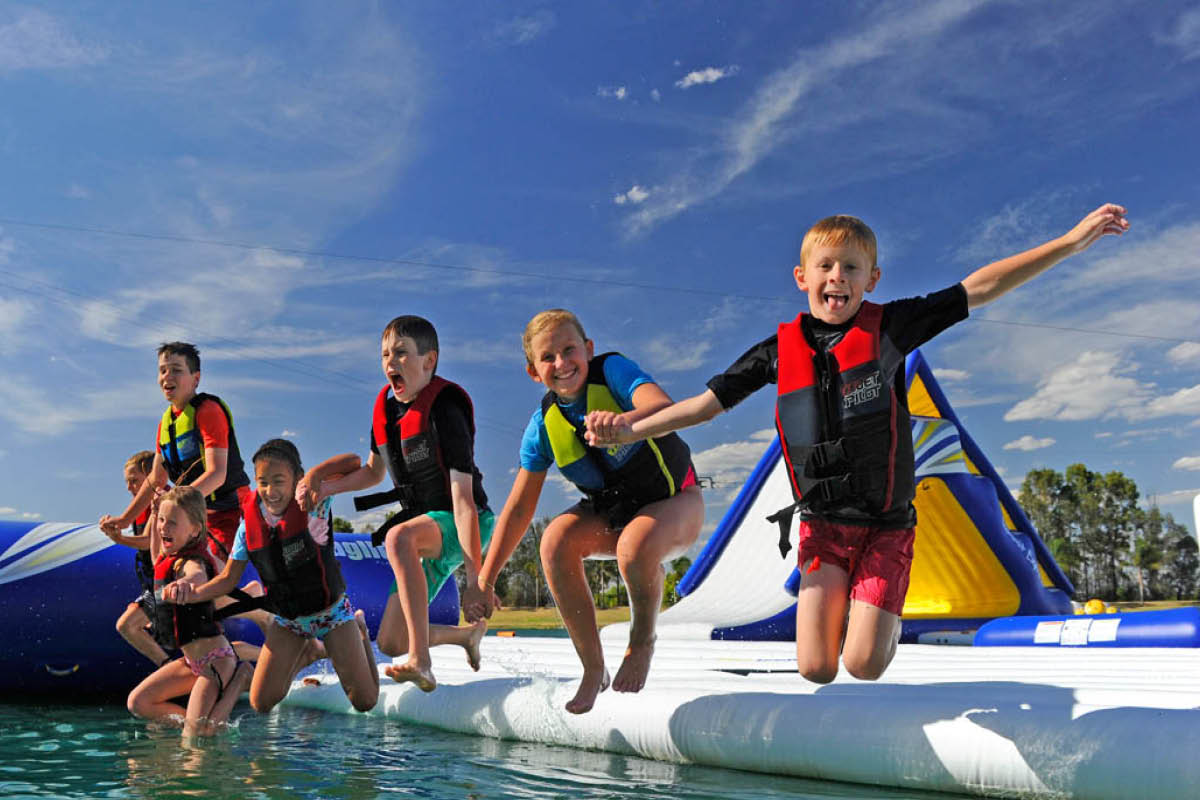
(342, 526)
(1181, 570)
(679, 568)
(522, 582)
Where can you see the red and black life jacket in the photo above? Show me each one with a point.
(178, 624)
(300, 576)
(846, 436)
(409, 446)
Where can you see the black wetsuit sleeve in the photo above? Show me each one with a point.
(753, 370)
(454, 435)
(911, 322)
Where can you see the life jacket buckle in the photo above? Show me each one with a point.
(825, 455)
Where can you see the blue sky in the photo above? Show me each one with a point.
(274, 182)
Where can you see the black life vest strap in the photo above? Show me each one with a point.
(365, 502)
(784, 518)
(242, 603)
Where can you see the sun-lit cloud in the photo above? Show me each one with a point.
(730, 464)
(36, 40)
(1184, 401)
(1028, 443)
(1185, 353)
(1095, 385)
(288, 434)
(707, 75)
(1177, 497)
(524, 29)
(680, 351)
(655, 95)
(636, 194)
(948, 375)
(1191, 463)
(614, 92)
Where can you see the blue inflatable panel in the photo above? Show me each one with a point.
(1175, 627)
(63, 586)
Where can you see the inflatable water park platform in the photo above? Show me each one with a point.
(998, 688)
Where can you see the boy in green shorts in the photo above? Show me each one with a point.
(422, 434)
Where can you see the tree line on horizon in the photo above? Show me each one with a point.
(1107, 544)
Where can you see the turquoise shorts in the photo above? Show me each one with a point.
(438, 570)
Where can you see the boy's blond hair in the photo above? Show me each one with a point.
(544, 321)
(143, 460)
(192, 502)
(837, 230)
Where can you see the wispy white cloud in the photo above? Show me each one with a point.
(678, 352)
(707, 75)
(1191, 463)
(655, 95)
(636, 194)
(78, 192)
(288, 434)
(1185, 34)
(614, 92)
(30, 409)
(36, 40)
(1027, 443)
(757, 130)
(524, 29)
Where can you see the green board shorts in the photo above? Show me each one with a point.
(438, 570)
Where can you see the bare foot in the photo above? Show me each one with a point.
(591, 685)
(631, 677)
(472, 645)
(412, 673)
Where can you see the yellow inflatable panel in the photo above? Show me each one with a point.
(955, 573)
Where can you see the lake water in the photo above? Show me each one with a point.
(100, 750)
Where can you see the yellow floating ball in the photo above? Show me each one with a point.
(1095, 606)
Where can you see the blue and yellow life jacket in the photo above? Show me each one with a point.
(182, 452)
(655, 469)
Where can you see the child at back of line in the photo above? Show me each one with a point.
(423, 435)
(134, 621)
(641, 503)
(842, 417)
(195, 446)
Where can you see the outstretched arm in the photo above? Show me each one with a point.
(334, 476)
(619, 429)
(987, 283)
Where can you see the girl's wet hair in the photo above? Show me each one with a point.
(280, 450)
(191, 501)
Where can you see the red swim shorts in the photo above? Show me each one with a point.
(223, 525)
(877, 560)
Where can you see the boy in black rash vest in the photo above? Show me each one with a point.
(842, 416)
(195, 446)
(423, 435)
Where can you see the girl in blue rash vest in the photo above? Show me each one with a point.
(293, 553)
(641, 504)
(209, 672)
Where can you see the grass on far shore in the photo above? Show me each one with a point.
(547, 618)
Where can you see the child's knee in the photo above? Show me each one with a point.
(391, 643)
(363, 701)
(818, 672)
(866, 666)
(263, 700)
